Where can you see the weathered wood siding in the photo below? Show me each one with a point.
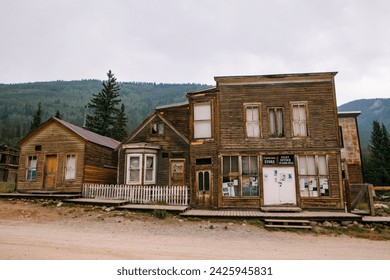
(172, 145)
(54, 139)
(350, 152)
(100, 164)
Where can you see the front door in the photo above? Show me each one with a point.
(279, 186)
(50, 172)
(177, 172)
(203, 188)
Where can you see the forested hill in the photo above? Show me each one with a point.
(376, 109)
(19, 102)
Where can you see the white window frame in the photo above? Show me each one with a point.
(299, 121)
(30, 168)
(128, 178)
(252, 124)
(202, 121)
(70, 171)
(153, 169)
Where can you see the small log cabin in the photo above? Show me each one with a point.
(9, 159)
(350, 147)
(157, 151)
(60, 157)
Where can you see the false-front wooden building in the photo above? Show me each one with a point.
(60, 157)
(269, 140)
(157, 151)
(350, 147)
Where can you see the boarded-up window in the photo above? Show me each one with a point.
(276, 122)
(31, 167)
(252, 119)
(299, 120)
(202, 121)
(313, 175)
(70, 168)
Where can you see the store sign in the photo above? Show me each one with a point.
(278, 160)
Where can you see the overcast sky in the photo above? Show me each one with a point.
(180, 41)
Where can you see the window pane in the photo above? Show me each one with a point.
(322, 166)
(149, 162)
(253, 166)
(245, 166)
(206, 181)
(202, 112)
(70, 170)
(200, 181)
(272, 122)
(234, 164)
(134, 175)
(252, 121)
(302, 165)
(279, 121)
(202, 129)
(226, 166)
(134, 162)
(311, 165)
(149, 175)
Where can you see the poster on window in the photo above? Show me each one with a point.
(324, 187)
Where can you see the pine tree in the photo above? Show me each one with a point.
(378, 163)
(37, 118)
(58, 115)
(104, 107)
(120, 129)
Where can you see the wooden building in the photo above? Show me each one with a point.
(157, 151)
(273, 140)
(9, 159)
(350, 147)
(60, 157)
(248, 142)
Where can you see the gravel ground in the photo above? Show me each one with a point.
(48, 230)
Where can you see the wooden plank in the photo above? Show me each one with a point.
(288, 226)
(286, 221)
(381, 188)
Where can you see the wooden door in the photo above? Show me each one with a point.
(279, 186)
(177, 172)
(50, 172)
(203, 188)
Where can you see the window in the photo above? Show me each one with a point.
(134, 169)
(240, 176)
(299, 120)
(150, 169)
(313, 175)
(31, 167)
(70, 168)
(202, 121)
(203, 181)
(276, 122)
(141, 169)
(157, 129)
(252, 120)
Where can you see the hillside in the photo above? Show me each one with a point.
(371, 110)
(18, 102)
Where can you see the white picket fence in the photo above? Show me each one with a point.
(172, 195)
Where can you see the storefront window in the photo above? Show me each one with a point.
(313, 175)
(240, 176)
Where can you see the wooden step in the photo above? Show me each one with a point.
(279, 223)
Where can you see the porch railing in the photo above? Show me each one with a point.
(173, 195)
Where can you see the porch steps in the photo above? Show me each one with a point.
(292, 224)
(280, 209)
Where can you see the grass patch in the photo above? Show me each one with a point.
(68, 204)
(6, 187)
(161, 214)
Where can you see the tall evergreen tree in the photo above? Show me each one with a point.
(378, 162)
(58, 115)
(104, 108)
(120, 129)
(37, 118)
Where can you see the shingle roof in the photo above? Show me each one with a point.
(90, 136)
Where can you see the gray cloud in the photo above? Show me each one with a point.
(193, 41)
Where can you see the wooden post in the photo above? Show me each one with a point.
(348, 196)
(371, 199)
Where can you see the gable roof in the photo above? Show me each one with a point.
(82, 132)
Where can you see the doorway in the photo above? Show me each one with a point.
(203, 188)
(279, 186)
(50, 172)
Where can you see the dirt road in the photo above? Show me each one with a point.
(30, 231)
